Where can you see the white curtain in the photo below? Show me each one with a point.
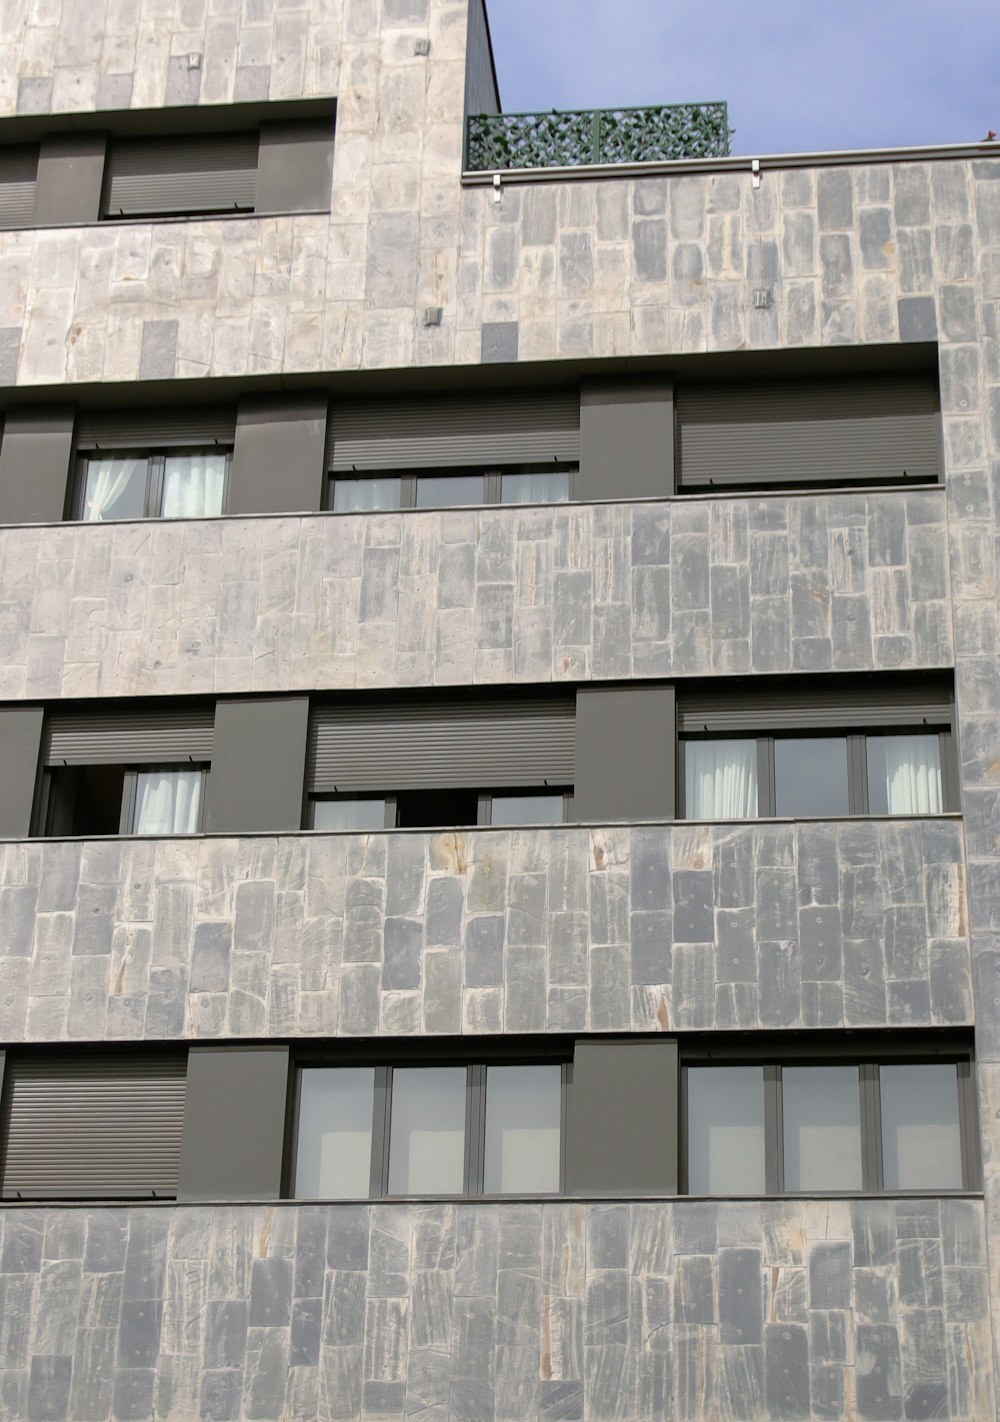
(193, 485)
(365, 495)
(107, 481)
(720, 780)
(912, 774)
(168, 802)
(540, 487)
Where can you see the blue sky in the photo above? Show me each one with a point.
(799, 75)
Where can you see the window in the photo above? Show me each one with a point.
(521, 485)
(429, 1129)
(419, 809)
(18, 175)
(818, 1126)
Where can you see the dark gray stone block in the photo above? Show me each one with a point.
(917, 318)
(271, 1293)
(402, 961)
(498, 342)
(830, 1275)
(740, 1302)
(877, 1374)
(48, 1389)
(226, 1333)
(786, 1371)
(139, 1333)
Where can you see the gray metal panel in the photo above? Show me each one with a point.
(626, 440)
(20, 738)
(215, 172)
(295, 167)
(128, 737)
(373, 745)
(622, 1138)
(35, 461)
(258, 768)
(278, 457)
(163, 428)
(18, 168)
(625, 762)
(92, 1125)
(845, 707)
(70, 176)
(482, 94)
(508, 427)
(799, 431)
(234, 1123)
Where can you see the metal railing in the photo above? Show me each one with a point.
(569, 140)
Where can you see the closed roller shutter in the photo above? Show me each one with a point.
(445, 744)
(18, 171)
(438, 431)
(93, 1126)
(195, 173)
(128, 737)
(156, 429)
(767, 710)
(795, 432)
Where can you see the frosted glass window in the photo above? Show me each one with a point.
(427, 1131)
(348, 814)
(335, 1132)
(115, 488)
(523, 1115)
(542, 487)
(449, 490)
(720, 780)
(168, 801)
(725, 1130)
(193, 484)
(821, 1107)
(904, 775)
(810, 775)
(526, 810)
(366, 495)
(921, 1142)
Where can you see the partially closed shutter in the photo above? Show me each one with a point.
(93, 1126)
(440, 431)
(446, 744)
(156, 429)
(128, 737)
(841, 708)
(18, 171)
(193, 173)
(795, 432)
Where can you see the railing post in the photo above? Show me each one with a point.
(595, 137)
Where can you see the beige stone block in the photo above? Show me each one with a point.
(152, 58)
(74, 89)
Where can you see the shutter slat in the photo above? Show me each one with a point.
(451, 745)
(93, 1126)
(796, 432)
(845, 709)
(18, 174)
(190, 173)
(156, 429)
(450, 431)
(128, 737)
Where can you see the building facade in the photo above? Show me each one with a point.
(500, 784)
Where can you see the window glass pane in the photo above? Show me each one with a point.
(523, 1115)
(821, 1109)
(810, 775)
(348, 814)
(366, 495)
(904, 775)
(115, 488)
(427, 1131)
(720, 780)
(335, 1132)
(449, 490)
(921, 1144)
(168, 801)
(526, 810)
(541, 487)
(725, 1130)
(193, 484)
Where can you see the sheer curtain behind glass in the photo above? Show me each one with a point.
(168, 801)
(904, 775)
(720, 781)
(193, 484)
(115, 488)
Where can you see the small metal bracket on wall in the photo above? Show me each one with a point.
(755, 172)
(497, 195)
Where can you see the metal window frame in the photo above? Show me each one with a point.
(389, 818)
(486, 804)
(130, 806)
(155, 467)
(492, 477)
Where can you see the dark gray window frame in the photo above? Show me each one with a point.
(868, 1059)
(155, 467)
(485, 803)
(475, 1112)
(492, 479)
(130, 781)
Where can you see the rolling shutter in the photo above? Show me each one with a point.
(18, 171)
(93, 1126)
(128, 737)
(439, 431)
(156, 429)
(845, 709)
(445, 744)
(796, 432)
(146, 177)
